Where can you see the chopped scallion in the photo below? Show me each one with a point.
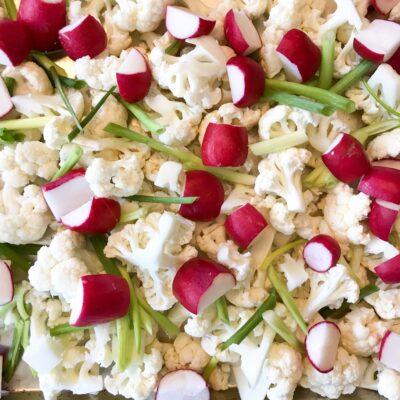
(327, 60)
(222, 310)
(278, 143)
(162, 200)
(73, 158)
(17, 260)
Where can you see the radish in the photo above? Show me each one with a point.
(199, 282)
(85, 37)
(15, 44)
(240, 33)
(211, 196)
(389, 351)
(134, 77)
(183, 384)
(321, 343)
(6, 105)
(182, 23)
(246, 79)
(388, 163)
(389, 270)
(100, 299)
(6, 284)
(382, 217)
(244, 225)
(378, 41)
(300, 56)
(382, 183)
(321, 253)
(224, 145)
(67, 193)
(394, 62)
(43, 19)
(98, 215)
(346, 158)
(384, 6)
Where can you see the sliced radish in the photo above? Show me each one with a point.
(97, 216)
(394, 62)
(183, 24)
(67, 193)
(85, 37)
(300, 56)
(378, 41)
(199, 282)
(6, 284)
(389, 352)
(240, 33)
(388, 163)
(384, 6)
(6, 105)
(134, 77)
(244, 225)
(382, 183)
(210, 193)
(382, 217)
(321, 253)
(246, 79)
(182, 384)
(224, 145)
(15, 44)
(389, 270)
(346, 158)
(322, 342)
(43, 19)
(100, 299)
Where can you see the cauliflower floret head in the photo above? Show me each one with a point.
(385, 146)
(209, 237)
(55, 132)
(11, 173)
(389, 384)
(229, 255)
(118, 39)
(386, 303)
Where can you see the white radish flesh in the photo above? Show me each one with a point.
(6, 284)
(321, 253)
(6, 105)
(389, 352)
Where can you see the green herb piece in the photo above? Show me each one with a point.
(19, 300)
(10, 137)
(327, 60)
(174, 48)
(320, 177)
(11, 9)
(66, 329)
(25, 334)
(72, 83)
(24, 123)
(162, 200)
(99, 242)
(356, 258)
(17, 260)
(73, 159)
(47, 64)
(222, 310)
(26, 249)
(10, 84)
(210, 367)
(15, 353)
(147, 321)
(377, 128)
(124, 343)
(132, 216)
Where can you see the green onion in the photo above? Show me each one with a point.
(72, 83)
(25, 334)
(11, 9)
(10, 84)
(20, 303)
(210, 367)
(147, 321)
(15, 353)
(174, 48)
(124, 343)
(66, 329)
(24, 123)
(99, 242)
(162, 200)
(320, 177)
(369, 131)
(278, 143)
(10, 137)
(46, 63)
(356, 258)
(4, 310)
(73, 158)
(327, 60)
(17, 260)
(132, 216)
(222, 310)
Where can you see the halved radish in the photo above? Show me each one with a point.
(389, 270)
(382, 183)
(300, 56)
(240, 33)
(6, 284)
(134, 77)
(85, 37)
(183, 384)
(210, 193)
(224, 145)
(394, 61)
(382, 217)
(389, 352)
(182, 23)
(100, 299)
(321, 253)
(199, 282)
(388, 163)
(246, 79)
(346, 158)
(244, 225)
(321, 343)
(98, 215)
(15, 44)
(378, 41)
(6, 105)
(384, 6)
(43, 19)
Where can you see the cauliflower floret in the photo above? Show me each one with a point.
(220, 378)
(170, 176)
(386, 303)
(11, 173)
(99, 345)
(385, 146)
(55, 132)
(229, 255)
(294, 271)
(389, 384)
(24, 216)
(118, 39)
(282, 219)
(209, 236)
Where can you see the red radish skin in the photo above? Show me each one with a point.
(183, 384)
(384, 6)
(246, 79)
(346, 158)
(389, 270)
(388, 163)
(378, 41)
(225, 145)
(43, 19)
(321, 253)
(97, 216)
(183, 24)
(394, 62)
(67, 193)
(382, 183)
(389, 351)
(240, 33)
(210, 193)
(86, 37)
(321, 343)
(6, 104)
(382, 217)
(244, 225)
(300, 56)
(6, 284)
(100, 299)
(134, 77)
(15, 44)
(199, 282)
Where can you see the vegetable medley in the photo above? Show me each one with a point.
(209, 200)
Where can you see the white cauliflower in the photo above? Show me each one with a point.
(386, 303)
(99, 345)
(386, 145)
(294, 271)
(118, 39)
(389, 384)
(210, 235)
(282, 219)
(55, 132)
(220, 378)
(239, 262)
(170, 176)
(11, 173)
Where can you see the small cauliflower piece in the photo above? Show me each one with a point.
(118, 39)
(210, 235)
(282, 219)
(220, 378)
(55, 132)
(229, 255)
(294, 271)
(171, 177)
(386, 303)
(385, 146)
(389, 384)
(11, 173)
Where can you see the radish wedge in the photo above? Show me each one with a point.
(6, 105)
(321, 343)
(382, 217)
(100, 299)
(67, 193)
(200, 282)
(183, 24)
(6, 284)
(244, 225)
(389, 270)
(384, 6)
(389, 352)
(394, 61)
(240, 33)
(378, 41)
(321, 253)
(182, 384)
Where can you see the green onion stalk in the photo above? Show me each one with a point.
(10, 83)
(11, 9)
(210, 367)
(327, 60)
(132, 216)
(73, 159)
(222, 310)
(162, 200)
(66, 329)
(320, 177)
(10, 137)
(377, 128)
(174, 48)
(16, 258)
(24, 123)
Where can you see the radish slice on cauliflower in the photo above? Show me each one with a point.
(6, 284)
(321, 253)
(389, 270)
(382, 217)
(389, 351)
